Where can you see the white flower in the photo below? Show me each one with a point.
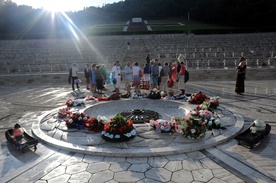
(162, 127)
(133, 132)
(85, 118)
(128, 134)
(193, 130)
(103, 132)
(106, 134)
(79, 118)
(102, 119)
(70, 121)
(117, 136)
(111, 136)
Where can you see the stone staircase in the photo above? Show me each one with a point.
(137, 52)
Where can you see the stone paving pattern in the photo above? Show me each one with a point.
(227, 162)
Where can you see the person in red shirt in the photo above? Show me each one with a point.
(181, 76)
(17, 132)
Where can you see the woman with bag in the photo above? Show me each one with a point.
(241, 71)
(136, 77)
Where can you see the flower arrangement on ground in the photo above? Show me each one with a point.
(162, 126)
(62, 113)
(197, 98)
(155, 94)
(194, 126)
(75, 102)
(210, 118)
(178, 123)
(94, 124)
(118, 129)
(76, 120)
(210, 104)
(114, 96)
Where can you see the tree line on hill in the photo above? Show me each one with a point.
(18, 21)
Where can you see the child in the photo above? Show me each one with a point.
(17, 132)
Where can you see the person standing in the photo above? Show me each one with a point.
(116, 70)
(99, 79)
(128, 76)
(87, 72)
(74, 71)
(147, 75)
(155, 73)
(181, 76)
(136, 77)
(165, 72)
(104, 73)
(93, 79)
(241, 71)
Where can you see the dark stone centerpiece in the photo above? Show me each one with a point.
(139, 116)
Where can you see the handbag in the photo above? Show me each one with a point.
(140, 73)
(187, 76)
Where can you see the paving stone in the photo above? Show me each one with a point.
(182, 176)
(98, 167)
(159, 174)
(128, 176)
(191, 164)
(216, 180)
(102, 177)
(139, 167)
(158, 161)
(137, 160)
(62, 178)
(73, 159)
(173, 166)
(113, 160)
(54, 173)
(117, 167)
(207, 163)
(147, 180)
(177, 157)
(203, 175)
(92, 159)
(81, 177)
(76, 168)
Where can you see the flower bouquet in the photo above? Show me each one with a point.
(210, 104)
(194, 126)
(76, 120)
(154, 94)
(62, 113)
(161, 126)
(178, 123)
(93, 124)
(126, 95)
(75, 102)
(114, 96)
(197, 98)
(118, 129)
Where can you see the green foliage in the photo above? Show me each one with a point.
(258, 15)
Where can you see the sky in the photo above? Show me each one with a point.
(63, 5)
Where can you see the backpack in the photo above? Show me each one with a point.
(162, 72)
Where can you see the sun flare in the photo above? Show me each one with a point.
(58, 6)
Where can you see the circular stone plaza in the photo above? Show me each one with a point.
(33, 82)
